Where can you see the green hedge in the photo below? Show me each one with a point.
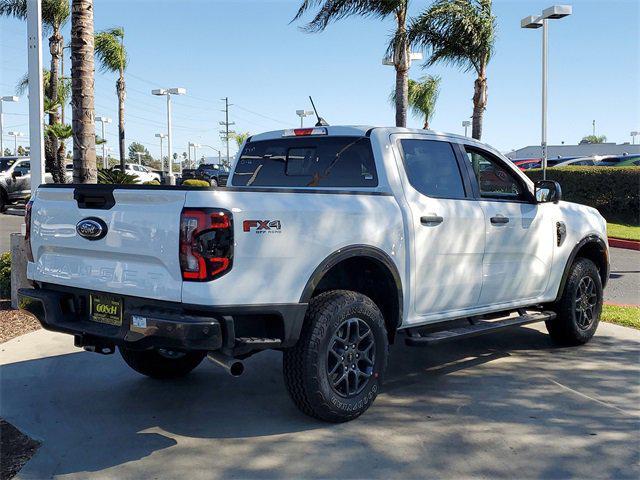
(5, 275)
(614, 191)
(193, 182)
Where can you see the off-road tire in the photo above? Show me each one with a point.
(155, 365)
(565, 328)
(305, 364)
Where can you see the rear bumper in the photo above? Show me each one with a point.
(152, 324)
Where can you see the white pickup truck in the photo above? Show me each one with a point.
(328, 244)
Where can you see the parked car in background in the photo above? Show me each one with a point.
(215, 174)
(621, 161)
(15, 180)
(527, 163)
(143, 173)
(579, 162)
(187, 173)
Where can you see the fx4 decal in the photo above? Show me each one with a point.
(262, 226)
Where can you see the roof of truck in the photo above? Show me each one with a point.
(362, 130)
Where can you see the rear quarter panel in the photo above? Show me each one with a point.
(273, 266)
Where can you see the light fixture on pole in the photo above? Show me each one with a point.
(161, 136)
(633, 137)
(388, 61)
(15, 136)
(195, 155)
(139, 155)
(168, 92)
(466, 124)
(552, 13)
(10, 98)
(215, 150)
(302, 114)
(102, 121)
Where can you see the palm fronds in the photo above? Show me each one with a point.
(116, 176)
(423, 95)
(110, 51)
(333, 10)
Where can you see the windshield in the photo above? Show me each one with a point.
(307, 162)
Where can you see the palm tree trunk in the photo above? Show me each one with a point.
(426, 123)
(479, 105)
(52, 161)
(122, 93)
(401, 64)
(82, 83)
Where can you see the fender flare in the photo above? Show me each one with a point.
(602, 246)
(350, 252)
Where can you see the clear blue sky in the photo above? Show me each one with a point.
(246, 49)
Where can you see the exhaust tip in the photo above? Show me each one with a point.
(236, 369)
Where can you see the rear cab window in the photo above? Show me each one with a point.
(331, 161)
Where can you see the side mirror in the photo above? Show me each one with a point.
(16, 174)
(548, 191)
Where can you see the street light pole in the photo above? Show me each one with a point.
(633, 137)
(161, 136)
(215, 150)
(302, 114)
(10, 98)
(551, 13)
(103, 120)
(466, 124)
(545, 52)
(168, 92)
(15, 136)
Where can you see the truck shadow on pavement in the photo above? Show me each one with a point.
(509, 394)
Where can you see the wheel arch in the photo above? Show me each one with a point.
(595, 249)
(367, 270)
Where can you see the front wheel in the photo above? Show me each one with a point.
(335, 370)
(213, 182)
(578, 310)
(161, 363)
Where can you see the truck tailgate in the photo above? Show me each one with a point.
(138, 256)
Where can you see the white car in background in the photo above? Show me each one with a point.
(140, 171)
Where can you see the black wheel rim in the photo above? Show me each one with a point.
(351, 357)
(586, 301)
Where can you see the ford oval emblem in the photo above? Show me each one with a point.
(91, 228)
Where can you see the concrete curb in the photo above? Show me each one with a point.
(613, 304)
(622, 243)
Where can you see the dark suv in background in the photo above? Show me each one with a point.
(215, 174)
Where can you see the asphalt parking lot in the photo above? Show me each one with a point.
(508, 405)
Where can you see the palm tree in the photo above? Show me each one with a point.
(113, 58)
(460, 33)
(331, 10)
(55, 14)
(423, 95)
(240, 138)
(55, 133)
(82, 92)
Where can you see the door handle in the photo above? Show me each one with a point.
(499, 220)
(431, 220)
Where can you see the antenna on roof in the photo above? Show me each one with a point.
(321, 121)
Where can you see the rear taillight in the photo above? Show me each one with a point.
(27, 234)
(206, 243)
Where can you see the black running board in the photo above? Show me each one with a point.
(479, 328)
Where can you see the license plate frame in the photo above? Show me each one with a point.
(106, 309)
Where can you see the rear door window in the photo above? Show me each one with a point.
(307, 162)
(432, 168)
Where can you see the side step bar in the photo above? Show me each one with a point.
(479, 328)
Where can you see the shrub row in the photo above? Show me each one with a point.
(615, 192)
(5, 275)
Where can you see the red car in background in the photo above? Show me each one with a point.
(527, 163)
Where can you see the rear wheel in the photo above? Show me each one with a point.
(3, 201)
(161, 363)
(578, 310)
(213, 182)
(335, 370)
